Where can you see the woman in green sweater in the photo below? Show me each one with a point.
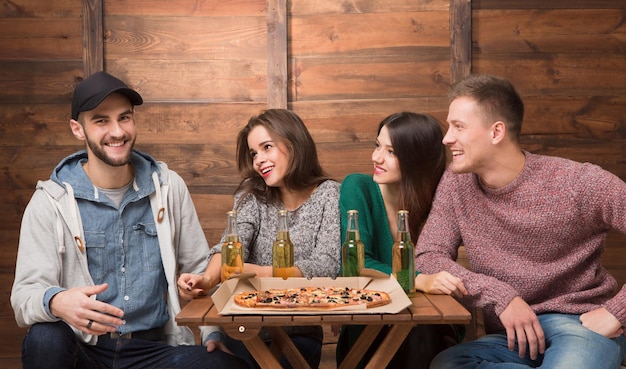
(409, 159)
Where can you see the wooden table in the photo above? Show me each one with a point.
(426, 309)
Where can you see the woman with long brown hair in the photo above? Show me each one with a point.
(408, 161)
(277, 159)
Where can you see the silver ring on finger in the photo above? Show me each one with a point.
(89, 324)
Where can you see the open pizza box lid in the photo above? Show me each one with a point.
(223, 297)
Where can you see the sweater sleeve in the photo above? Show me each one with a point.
(437, 250)
(605, 194)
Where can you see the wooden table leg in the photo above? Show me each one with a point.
(249, 336)
(388, 348)
(361, 345)
(282, 340)
(275, 349)
(261, 353)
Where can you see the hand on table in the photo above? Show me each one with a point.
(192, 285)
(602, 322)
(442, 283)
(78, 309)
(260, 271)
(521, 324)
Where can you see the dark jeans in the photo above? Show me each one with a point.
(309, 347)
(416, 352)
(55, 346)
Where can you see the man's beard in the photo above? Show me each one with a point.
(99, 152)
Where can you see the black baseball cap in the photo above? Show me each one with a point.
(90, 92)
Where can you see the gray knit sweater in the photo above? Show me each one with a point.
(541, 237)
(313, 228)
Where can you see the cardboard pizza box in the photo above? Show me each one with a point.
(369, 279)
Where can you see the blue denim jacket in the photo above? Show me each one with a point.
(121, 243)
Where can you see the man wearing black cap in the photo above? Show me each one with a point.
(101, 244)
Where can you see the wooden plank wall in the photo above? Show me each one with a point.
(40, 60)
(204, 67)
(353, 62)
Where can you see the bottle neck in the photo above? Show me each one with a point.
(282, 235)
(353, 236)
(352, 233)
(282, 230)
(232, 238)
(231, 228)
(404, 237)
(403, 227)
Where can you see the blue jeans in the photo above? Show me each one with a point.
(569, 345)
(54, 345)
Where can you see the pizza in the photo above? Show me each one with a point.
(323, 298)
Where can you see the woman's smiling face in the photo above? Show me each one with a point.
(270, 158)
(386, 166)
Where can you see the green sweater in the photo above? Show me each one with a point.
(360, 192)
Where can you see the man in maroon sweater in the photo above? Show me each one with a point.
(534, 228)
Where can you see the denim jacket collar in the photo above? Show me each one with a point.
(71, 170)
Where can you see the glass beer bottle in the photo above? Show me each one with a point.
(352, 250)
(282, 249)
(403, 255)
(232, 258)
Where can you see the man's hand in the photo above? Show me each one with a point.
(521, 323)
(602, 322)
(78, 309)
(442, 283)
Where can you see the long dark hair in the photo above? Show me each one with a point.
(304, 168)
(417, 144)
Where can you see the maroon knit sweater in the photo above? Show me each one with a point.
(540, 237)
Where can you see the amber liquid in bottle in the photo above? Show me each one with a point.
(232, 257)
(282, 249)
(403, 255)
(352, 250)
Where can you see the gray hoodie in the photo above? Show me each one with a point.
(51, 248)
